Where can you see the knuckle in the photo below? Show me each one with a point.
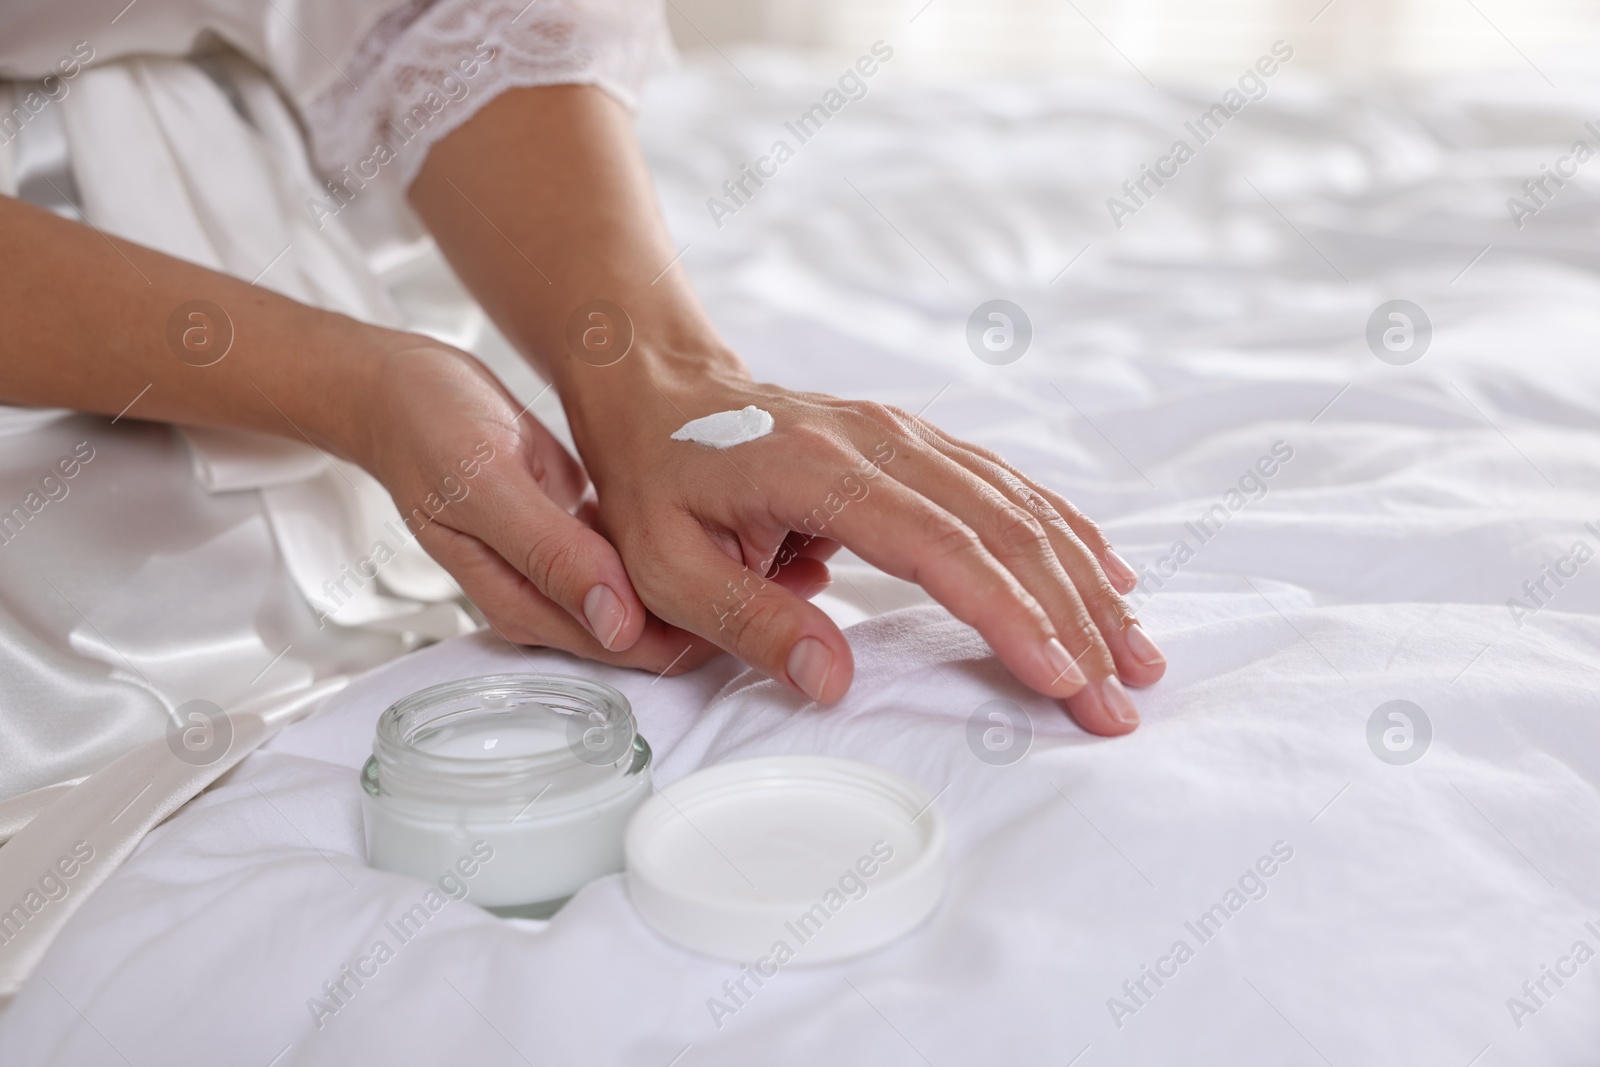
(661, 595)
(814, 438)
(1106, 603)
(1121, 612)
(552, 562)
(1028, 496)
(1082, 633)
(989, 455)
(1035, 501)
(1088, 530)
(661, 582)
(903, 423)
(647, 541)
(1013, 532)
(1039, 506)
(879, 414)
(752, 623)
(1083, 528)
(990, 460)
(898, 424)
(945, 537)
(816, 443)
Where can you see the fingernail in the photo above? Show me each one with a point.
(1120, 571)
(605, 613)
(1144, 650)
(1117, 701)
(1063, 669)
(809, 665)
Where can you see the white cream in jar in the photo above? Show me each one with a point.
(545, 768)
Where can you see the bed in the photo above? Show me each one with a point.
(1345, 894)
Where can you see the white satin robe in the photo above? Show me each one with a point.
(199, 564)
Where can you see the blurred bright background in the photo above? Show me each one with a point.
(1161, 39)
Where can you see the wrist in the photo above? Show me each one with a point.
(647, 394)
(333, 402)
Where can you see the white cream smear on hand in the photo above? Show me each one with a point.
(725, 429)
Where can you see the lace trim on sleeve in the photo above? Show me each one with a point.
(428, 66)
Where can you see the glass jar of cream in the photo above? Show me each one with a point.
(546, 769)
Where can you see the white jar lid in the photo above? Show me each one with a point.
(788, 859)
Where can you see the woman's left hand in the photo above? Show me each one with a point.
(542, 203)
(728, 544)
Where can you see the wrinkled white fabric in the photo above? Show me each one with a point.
(101, 820)
(1166, 362)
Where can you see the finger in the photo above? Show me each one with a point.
(1082, 607)
(557, 471)
(804, 546)
(518, 612)
(803, 576)
(1120, 573)
(911, 537)
(567, 561)
(1138, 659)
(695, 584)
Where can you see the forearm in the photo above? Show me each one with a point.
(88, 323)
(543, 203)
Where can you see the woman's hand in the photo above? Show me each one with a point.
(543, 205)
(497, 501)
(488, 492)
(728, 544)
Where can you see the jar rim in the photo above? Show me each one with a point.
(589, 707)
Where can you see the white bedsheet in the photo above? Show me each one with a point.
(1167, 359)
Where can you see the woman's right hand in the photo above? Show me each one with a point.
(409, 410)
(497, 501)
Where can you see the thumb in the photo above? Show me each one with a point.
(566, 560)
(753, 617)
